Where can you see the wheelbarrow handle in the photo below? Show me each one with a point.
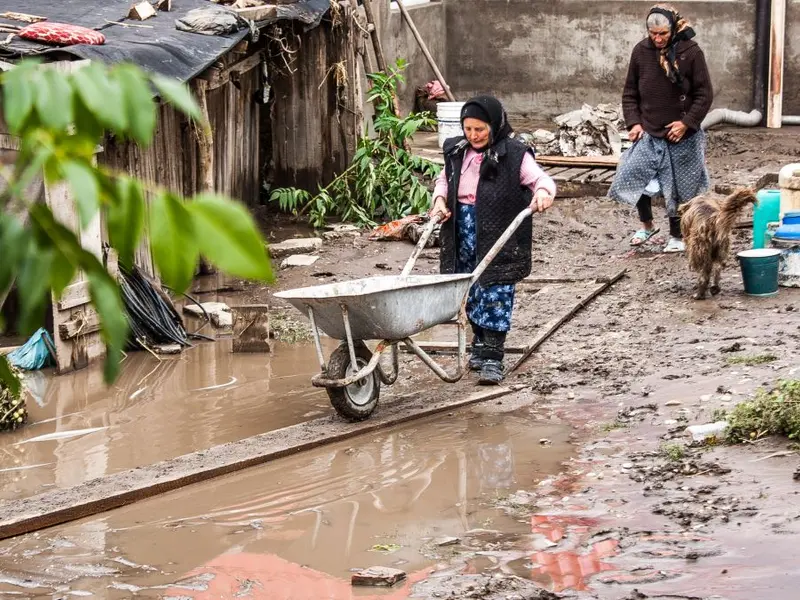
(498, 245)
(423, 239)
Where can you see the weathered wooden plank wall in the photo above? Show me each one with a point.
(172, 160)
(316, 116)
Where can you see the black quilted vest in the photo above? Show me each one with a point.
(498, 200)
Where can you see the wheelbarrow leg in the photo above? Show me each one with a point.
(317, 342)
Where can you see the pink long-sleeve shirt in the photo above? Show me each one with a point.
(531, 175)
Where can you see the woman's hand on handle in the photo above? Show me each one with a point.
(440, 209)
(542, 200)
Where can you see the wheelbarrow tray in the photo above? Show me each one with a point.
(393, 307)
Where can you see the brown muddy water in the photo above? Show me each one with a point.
(80, 429)
(296, 528)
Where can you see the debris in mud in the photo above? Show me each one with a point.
(635, 413)
(385, 548)
(588, 131)
(483, 587)
(735, 347)
(377, 577)
(341, 231)
(637, 595)
(796, 475)
(287, 329)
(447, 541)
(639, 575)
(709, 432)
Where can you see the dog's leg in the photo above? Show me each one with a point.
(715, 289)
(702, 282)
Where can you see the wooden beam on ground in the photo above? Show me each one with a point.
(452, 347)
(578, 161)
(556, 324)
(25, 515)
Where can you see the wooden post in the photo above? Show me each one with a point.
(251, 328)
(776, 46)
(425, 50)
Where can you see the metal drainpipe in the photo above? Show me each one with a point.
(760, 67)
(761, 63)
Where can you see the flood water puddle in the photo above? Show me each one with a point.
(80, 429)
(294, 529)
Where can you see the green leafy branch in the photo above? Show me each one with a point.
(384, 181)
(59, 120)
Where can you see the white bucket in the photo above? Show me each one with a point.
(448, 117)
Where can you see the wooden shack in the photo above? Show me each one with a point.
(277, 97)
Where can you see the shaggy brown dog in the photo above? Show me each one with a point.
(706, 224)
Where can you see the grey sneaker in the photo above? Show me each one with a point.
(492, 372)
(675, 245)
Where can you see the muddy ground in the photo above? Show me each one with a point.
(630, 373)
(583, 484)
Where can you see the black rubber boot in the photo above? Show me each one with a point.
(476, 353)
(492, 371)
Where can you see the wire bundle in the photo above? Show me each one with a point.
(152, 317)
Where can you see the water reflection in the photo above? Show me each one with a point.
(296, 528)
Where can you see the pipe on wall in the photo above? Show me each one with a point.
(760, 69)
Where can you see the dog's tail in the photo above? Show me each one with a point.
(733, 205)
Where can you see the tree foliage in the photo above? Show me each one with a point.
(383, 180)
(60, 119)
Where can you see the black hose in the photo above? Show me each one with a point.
(152, 317)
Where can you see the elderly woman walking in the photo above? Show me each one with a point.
(488, 179)
(667, 95)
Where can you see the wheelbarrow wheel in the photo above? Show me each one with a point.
(356, 401)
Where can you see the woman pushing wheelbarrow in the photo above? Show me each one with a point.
(490, 187)
(487, 180)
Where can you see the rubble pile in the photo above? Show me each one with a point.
(589, 131)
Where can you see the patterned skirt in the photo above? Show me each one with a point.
(488, 306)
(679, 169)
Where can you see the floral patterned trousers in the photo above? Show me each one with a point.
(488, 306)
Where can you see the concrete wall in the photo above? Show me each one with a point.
(546, 57)
(399, 42)
(791, 76)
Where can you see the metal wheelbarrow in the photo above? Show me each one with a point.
(390, 309)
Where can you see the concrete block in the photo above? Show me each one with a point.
(294, 246)
(299, 260)
(377, 577)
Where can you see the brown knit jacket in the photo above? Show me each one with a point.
(652, 100)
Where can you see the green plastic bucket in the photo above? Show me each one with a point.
(760, 271)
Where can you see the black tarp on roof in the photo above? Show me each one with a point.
(160, 47)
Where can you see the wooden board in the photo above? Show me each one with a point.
(77, 339)
(592, 175)
(571, 174)
(579, 161)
